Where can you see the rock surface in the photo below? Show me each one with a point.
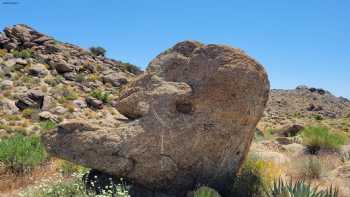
(191, 115)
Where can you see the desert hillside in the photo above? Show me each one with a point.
(302, 135)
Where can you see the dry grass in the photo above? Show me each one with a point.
(11, 184)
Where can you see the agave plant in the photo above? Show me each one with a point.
(298, 189)
(206, 192)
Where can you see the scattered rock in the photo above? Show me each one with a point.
(6, 84)
(59, 110)
(94, 103)
(116, 79)
(192, 119)
(284, 140)
(9, 106)
(80, 104)
(32, 99)
(39, 70)
(45, 115)
(290, 131)
(63, 67)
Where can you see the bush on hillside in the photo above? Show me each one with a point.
(100, 95)
(132, 68)
(26, 53)
(317, 138)
(98, 51)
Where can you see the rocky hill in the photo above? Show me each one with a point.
(47, 79)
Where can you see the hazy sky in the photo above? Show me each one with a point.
(298, 41)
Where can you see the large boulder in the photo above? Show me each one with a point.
(191, 120)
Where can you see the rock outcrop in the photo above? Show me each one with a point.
(191, 119)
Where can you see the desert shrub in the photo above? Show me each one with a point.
(12, 117)
(317, 117)
(316, 138)
(345, 157)
(27, 113)
(47, 125)
(98, 51)
(26, 53)
(54, 81)
(298, 189)
(69, 93)
(93, 77)
(3, 52)
(132, 68)
(80, 77)
(100, 95)
(311, 168)
(20, 153)
(68, 168)
(206, 192)
(255, 175)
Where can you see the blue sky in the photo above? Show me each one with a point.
(298, 42)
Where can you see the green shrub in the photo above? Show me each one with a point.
(26, 53)
(69, 93)
(316, 138)
(100, 95)
(318, 117)
(132, 68)
(27, 113)
(47, 125)
(80, 77)
(298, 189)
(20, 154)
(98, 51)
(206, 192)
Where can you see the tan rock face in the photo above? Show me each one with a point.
(191, 119)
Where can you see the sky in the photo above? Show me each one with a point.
(297, 41)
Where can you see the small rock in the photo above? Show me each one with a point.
(38, 70)
(283, 140)
(32, 99)
(116, 79)
(63, 67)
(94, 103)
(59, 110)
(48, 103)
(290, 131)
(6, 84)
(9, 106)
(42, 39)
(21, 61)
(9, 63)
(45, 115)
(80, 103)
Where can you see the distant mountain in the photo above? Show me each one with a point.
(306, 101)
